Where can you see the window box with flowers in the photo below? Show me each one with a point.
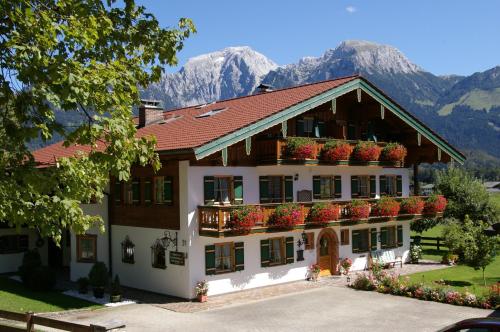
(323, 213)
(244, 218)
(412, 205)
(286, 216)
(386, 207)
(367, 151)
(435, 204)
(334, 151)
(359, 209)
(300, 148)
(394, 152)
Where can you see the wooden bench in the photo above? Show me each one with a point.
(385, 257)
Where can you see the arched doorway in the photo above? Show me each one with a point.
(327, 251)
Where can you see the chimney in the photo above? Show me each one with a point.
(150, 112)
(263, 88)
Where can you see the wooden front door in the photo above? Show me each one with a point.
(325, 257)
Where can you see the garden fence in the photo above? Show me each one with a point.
(427, 241)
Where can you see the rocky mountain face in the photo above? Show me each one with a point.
(229, 73)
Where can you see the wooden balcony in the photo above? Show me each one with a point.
(272, 151)
(213, 220)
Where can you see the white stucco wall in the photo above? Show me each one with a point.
(253, 275)
(11, 262)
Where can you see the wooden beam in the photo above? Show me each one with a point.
(284, 128)
(248, 145)
(359, 94)
(334, 105)
(382, 112)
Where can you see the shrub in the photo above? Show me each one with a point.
(300, 147)
(31, 261)
(244, 218)
(363, 282)
(359, 209)
(435, 204)
(422, 224)
(367, 151)
(286, 216)
(412, 205)
(323, 213)
(386, 207)
(337, 150)
(394, 152)
(43, 279)
(415, 253)
(98, 275)
(83, 285)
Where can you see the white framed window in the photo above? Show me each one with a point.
(224, 257)
(364, 186)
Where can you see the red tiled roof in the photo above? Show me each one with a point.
(187, 131)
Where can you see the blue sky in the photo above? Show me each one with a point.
(443, 37)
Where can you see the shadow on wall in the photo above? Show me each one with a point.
(241, 281)
(279, 272)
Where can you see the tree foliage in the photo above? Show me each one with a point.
(87, 57)
(466, 195)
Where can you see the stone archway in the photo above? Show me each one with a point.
(327, 251)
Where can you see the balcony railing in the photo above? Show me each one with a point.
(274, 150)
(214, 220)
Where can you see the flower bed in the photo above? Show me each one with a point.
(336, 150)
(358, 209)
(391, 283)
(435, 204)
(412, 205)
(300, 148)
(394, 152)
(367, 151)
(286, 216)
(323, 213)
(244, 218)
(386, 207)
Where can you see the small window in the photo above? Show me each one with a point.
(276, 251)
(308, 126)
(136, 191)
(163, 190)
(128, 250)
(158, 260)
(159, 189)
(388, 237)
(86, 247)
(10, 244)
(344, 237)
(148, 191)
(224, 257)
(118, 193)
(326, 187)
(360, 240)
(364, 186)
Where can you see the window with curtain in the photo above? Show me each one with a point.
(86, 248)
(223, 257)
(276, 248)
(364, 186)
(390, 185)
(222, 189)
(275, 189)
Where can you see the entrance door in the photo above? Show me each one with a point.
(325, 258)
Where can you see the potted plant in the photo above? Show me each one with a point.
(335, 150)
(314, 271)
(386, 207)
(323, 213)
(98, 279)
(449, 258)
(83, 285)
(435, 204)
(345, 265)
(116, 291)
(412, 205)
(286, 216)
(201, 291)
(367, 151)
(244, 218)
(358, 209)
(394, 152)
(300, 148)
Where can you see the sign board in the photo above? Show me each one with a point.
(177, 258)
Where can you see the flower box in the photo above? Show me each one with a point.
(243, 219)
(412, 205)
(300, 148)
(359, 209)
(367, 151)
(323, 213)
(394, 152)
(286, 216)
(386, 207)
(435, 204)
(336, 151)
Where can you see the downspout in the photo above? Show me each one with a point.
(110, 259)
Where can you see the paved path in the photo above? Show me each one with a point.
(319, 309)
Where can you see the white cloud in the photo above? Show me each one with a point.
(351, 9)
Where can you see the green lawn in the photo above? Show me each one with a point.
(461, 277)
(15, 297)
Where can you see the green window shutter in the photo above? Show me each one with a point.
(210, 260)
(373, 188)
(316, 187)
(288, 188)
(355, 241)
(337, 186)
(400, 235)
(383, 185)
(118, 192)
(354, 186)
(208, 190)
(239, 256)
(383, 238)
(238, 189)
(300, 127)
(321, 129)
(373, 239)
(264, 189)
(264, 253)
(289, 250)
(167, 190)
(399, 185)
